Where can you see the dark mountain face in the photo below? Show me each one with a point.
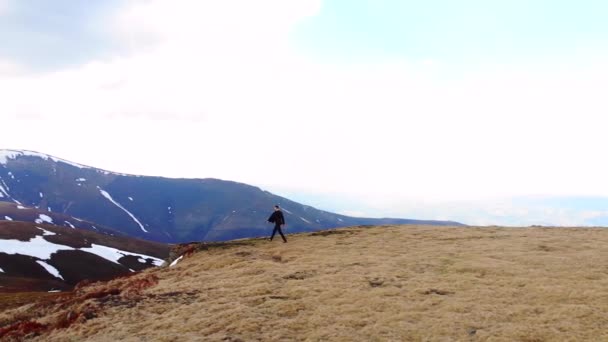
(43, 257)
(156, 208)
(15, 212)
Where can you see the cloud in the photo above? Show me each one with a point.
(4, 7)
(188, 58)
(10, 68)
(216, 89)
(42, 36)
(210, 32)
(512, 211)
(354, 213)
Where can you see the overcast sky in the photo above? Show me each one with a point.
(427, 109)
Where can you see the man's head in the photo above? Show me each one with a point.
(276, 208)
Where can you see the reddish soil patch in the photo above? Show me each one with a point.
(87, 301)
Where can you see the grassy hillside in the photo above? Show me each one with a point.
(407, 283)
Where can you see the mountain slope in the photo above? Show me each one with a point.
(156, 208)
(15, 212)
(357, 284)
(43, 257)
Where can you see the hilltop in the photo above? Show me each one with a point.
(399, 283)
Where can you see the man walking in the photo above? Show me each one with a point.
(279, 220)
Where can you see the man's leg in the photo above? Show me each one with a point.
(281, 232)
(274, 231)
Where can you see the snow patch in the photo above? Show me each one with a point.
(41, 196)
(5, 155)
(131, 199)
(107, 195)
(21, 207)
(3, 192)
(40, 248)
(114, 254)
(52, 270)
(341, 220)
(8, 218)
(46, 232)
(37, 247)
(69, 224)
(81, 180)
(305, 220)
(46, 218)
(1, 270)
(287, 211)
(3, 183)
(176, 261)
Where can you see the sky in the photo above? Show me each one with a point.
(484, 112)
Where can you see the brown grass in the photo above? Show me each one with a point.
(409, 283)
(11, 300)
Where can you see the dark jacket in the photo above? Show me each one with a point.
(277, 218)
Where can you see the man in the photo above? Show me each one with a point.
(279, 220)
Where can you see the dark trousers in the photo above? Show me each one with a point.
(277, 228)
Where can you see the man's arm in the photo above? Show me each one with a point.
(272, 218)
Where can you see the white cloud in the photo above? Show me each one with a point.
(215, 21)
(4, 7)
(215, 89)
(354, 213)
(10, 68)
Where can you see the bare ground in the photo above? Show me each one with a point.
(407, 283)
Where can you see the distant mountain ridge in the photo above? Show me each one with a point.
(157, 208)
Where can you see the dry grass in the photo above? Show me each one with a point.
(410, 283)
(11, 300)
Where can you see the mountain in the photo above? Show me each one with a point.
(42, 257)
(387, 283)
(157, 208)
(16, 212)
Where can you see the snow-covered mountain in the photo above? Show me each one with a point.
(47, 257)
(156, 208)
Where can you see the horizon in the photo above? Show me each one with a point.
(333, 204)
(473, 112)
